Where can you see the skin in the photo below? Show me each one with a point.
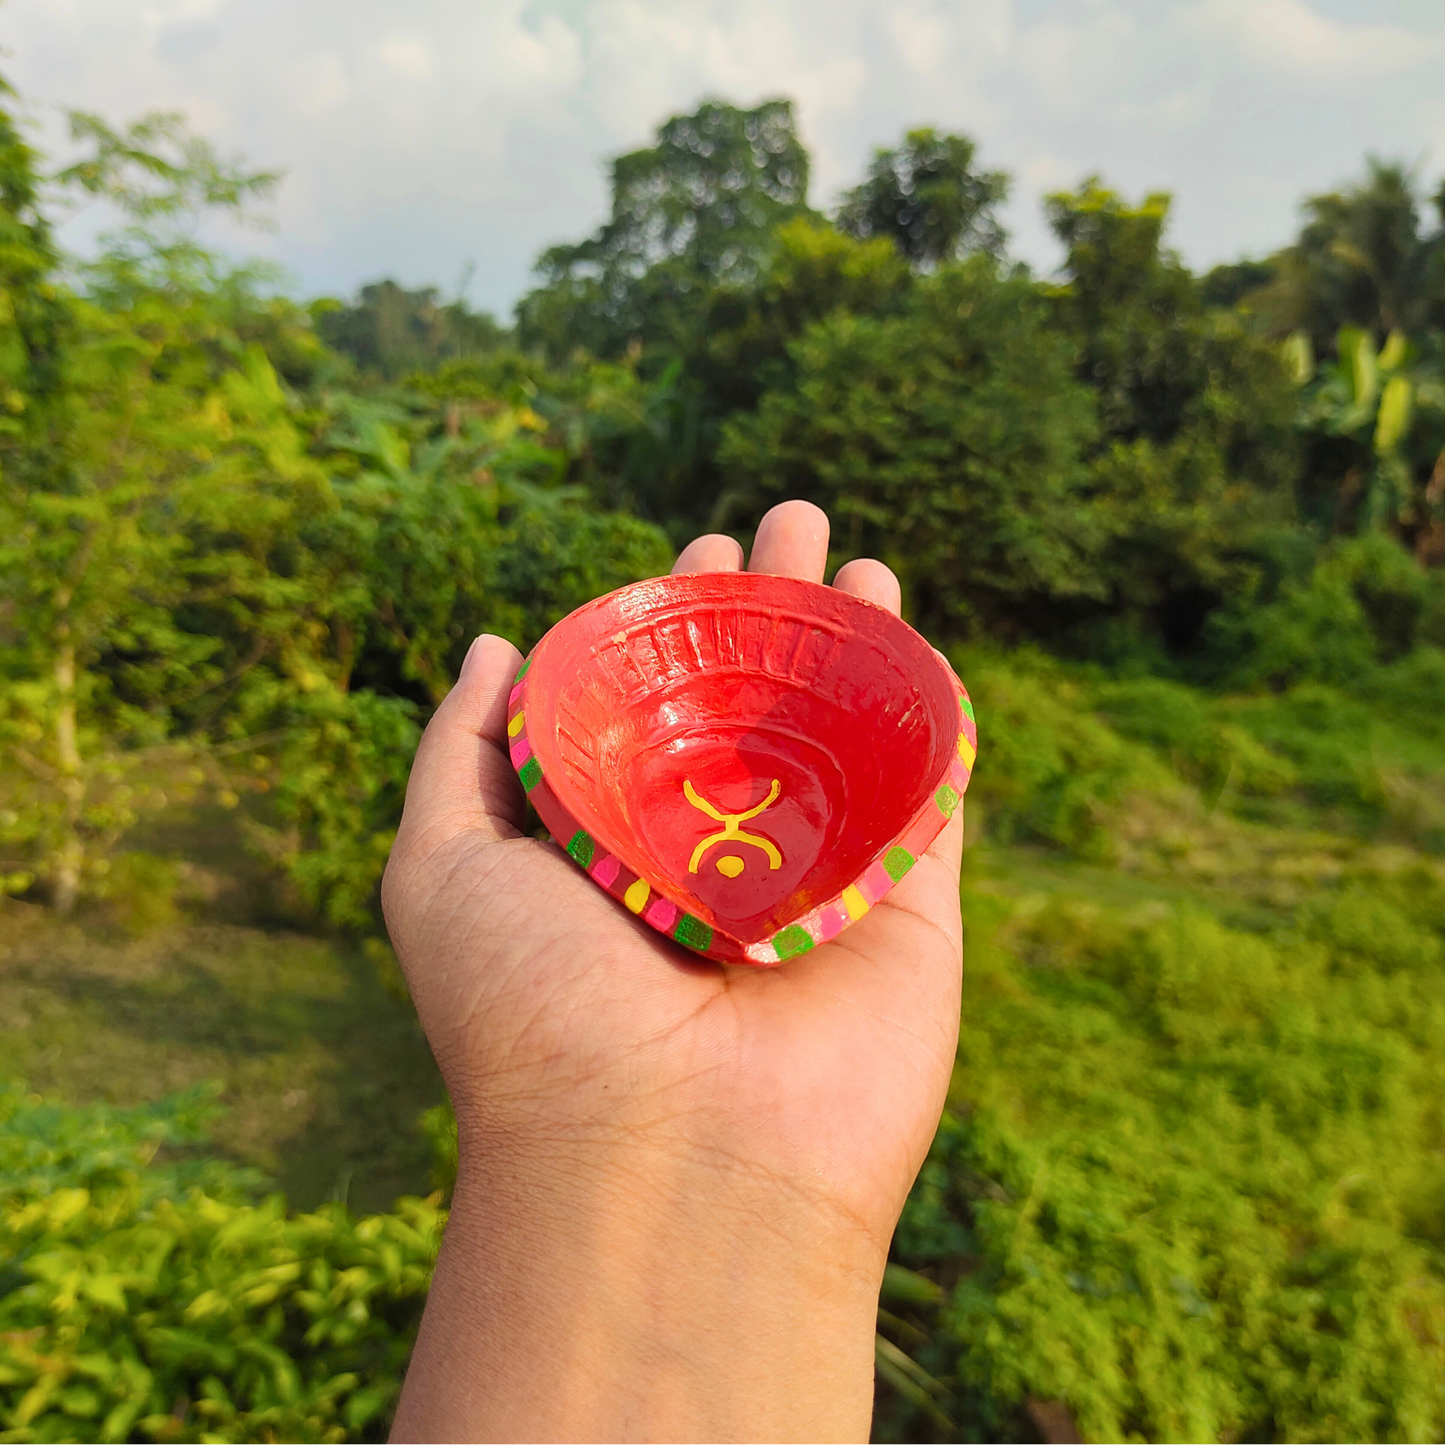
(678, 1180)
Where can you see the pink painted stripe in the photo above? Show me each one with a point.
(875, 883)
(605, 871)
(521, 750)
(831, 922)
(970, 731)
(516, 693)
(958, 775)
(661, 914)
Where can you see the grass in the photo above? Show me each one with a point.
(1190, 1181)
(325, 1068)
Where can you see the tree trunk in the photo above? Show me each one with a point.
(71, 853)
(1430, 539)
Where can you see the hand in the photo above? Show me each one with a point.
(678, 1180)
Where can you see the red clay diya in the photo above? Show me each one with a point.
(748, 762)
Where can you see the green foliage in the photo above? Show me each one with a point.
(927, 198)
(210, 582)
(1379, 423)
(31, 314)
(47, 1147)
(1056, 770)
(157, 169)
(1197, 456)
(391, 331)
(155, 1301)
(1362, 604)
(1186, 1184)
(1073, 753)
(1189, 1183)
(693, 210)
(1362, 259)
(946, 439)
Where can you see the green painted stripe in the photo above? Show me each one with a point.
(521, 672)
(792, 940)
(582, 847)
(693, 932)
(946, 799)
(967, 705)
(530, 774)
(897, 862)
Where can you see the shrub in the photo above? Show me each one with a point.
(1186, 1183)
(148, 1295)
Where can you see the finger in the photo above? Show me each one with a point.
(712, 553)
(871, 581)
(462, 778)
(792, 541)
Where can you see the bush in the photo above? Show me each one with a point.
(1185, 1184)
(1055, 772)
(147, 1294)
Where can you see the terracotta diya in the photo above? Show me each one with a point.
(748, 762)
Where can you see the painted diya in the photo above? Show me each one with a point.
(747, 762)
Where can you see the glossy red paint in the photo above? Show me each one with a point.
(749, 762)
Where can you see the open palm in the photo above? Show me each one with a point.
(566, 1028)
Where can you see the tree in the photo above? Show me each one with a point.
(926, 197)
(1195, 464)
(1376, 423)
(694, 210)
(947, 439)
(86, 566)
(207, 581)
(389, 330)
(1363, 259)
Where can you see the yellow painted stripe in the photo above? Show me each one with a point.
(515, 726)
(855, 903)
(966, 750)
(636, 896)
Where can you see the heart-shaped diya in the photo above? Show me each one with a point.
(748, 762)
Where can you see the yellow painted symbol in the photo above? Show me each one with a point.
(731, 831)
(729, 866)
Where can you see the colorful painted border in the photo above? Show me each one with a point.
(824, 923)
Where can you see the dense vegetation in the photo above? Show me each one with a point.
(1184, 536)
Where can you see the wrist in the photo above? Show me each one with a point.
(636, 1291)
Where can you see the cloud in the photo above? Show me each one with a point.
(410, 56)
(1289, 35)
(417, 137)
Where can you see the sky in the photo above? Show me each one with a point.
(436, 140)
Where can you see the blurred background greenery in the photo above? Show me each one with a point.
(1182, 535)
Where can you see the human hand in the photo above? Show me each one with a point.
(678, 1180)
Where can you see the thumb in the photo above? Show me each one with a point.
(462, 779)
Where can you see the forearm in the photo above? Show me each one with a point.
(666, 1302)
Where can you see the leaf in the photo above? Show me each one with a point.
(104, 1289)
(909, 1380)
(1395, 351)
(903, 1284)
(118, 1424)
(1392, 421)
(1299, 357)
(1359, 367)
(207, 1305)
(366, 1404)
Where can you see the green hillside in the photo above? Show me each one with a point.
(1183, 537)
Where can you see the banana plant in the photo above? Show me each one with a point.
(1373, 398)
